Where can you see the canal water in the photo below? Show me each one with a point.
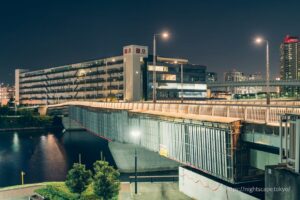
(46, 156)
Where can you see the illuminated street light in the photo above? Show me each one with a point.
(260, 40)
(164, 35)
(135, 134)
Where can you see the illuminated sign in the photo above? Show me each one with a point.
(163, 151)
(289, 39)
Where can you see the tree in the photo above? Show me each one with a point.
(78, 178)
(106, 180)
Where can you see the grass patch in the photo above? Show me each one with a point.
(59, 191)
(26, 185)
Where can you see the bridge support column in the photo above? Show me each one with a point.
(43, 110)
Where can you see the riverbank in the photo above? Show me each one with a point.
(29, 123)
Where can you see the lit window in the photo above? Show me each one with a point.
(158, 68)
(168, 77)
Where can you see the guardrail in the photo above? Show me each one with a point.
(249, 113)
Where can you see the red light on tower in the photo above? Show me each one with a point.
(290, 39)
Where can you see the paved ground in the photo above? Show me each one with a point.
(148, 161)
(150, 191)
(18, 194)
(146, 191)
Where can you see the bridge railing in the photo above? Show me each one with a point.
(252, 113)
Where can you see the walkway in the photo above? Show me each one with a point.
(150, 191)
(19, 193)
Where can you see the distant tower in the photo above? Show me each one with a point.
(290, 63)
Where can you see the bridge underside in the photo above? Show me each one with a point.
(213, 146)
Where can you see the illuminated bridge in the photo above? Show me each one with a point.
(231, 141)
(258, 83)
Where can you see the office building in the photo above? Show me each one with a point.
(7, 93)
(125, 77)
(235, 76)
(290, 64)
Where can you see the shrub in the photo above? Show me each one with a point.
(57, 192)
(78, 178)
(106, 180)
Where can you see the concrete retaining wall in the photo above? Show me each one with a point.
(199, 187)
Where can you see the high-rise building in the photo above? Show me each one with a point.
(290, 64)
(211, 77)
(125, 77)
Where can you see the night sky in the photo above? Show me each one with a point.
(219, 34)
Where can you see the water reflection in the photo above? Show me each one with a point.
(15, 145)
(45, 156)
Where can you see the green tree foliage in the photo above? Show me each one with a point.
(106, 180)
(78, 178)
(57, 191)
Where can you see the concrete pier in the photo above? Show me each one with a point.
(148, 161)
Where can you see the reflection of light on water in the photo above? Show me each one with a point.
(51, 157)
(16, 143)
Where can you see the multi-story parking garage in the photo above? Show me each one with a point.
(126, 77)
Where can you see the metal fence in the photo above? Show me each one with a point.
(250, 113)
(212, 147)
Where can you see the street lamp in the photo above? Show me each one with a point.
(22, 177)
(135, 134)
(260, 40)
(164, 35)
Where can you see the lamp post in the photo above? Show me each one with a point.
(136, 134)
(164, 35)
(260, 40)
(22, 177)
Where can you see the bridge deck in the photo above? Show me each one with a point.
(218, 110)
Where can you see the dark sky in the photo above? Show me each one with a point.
(219, 34)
